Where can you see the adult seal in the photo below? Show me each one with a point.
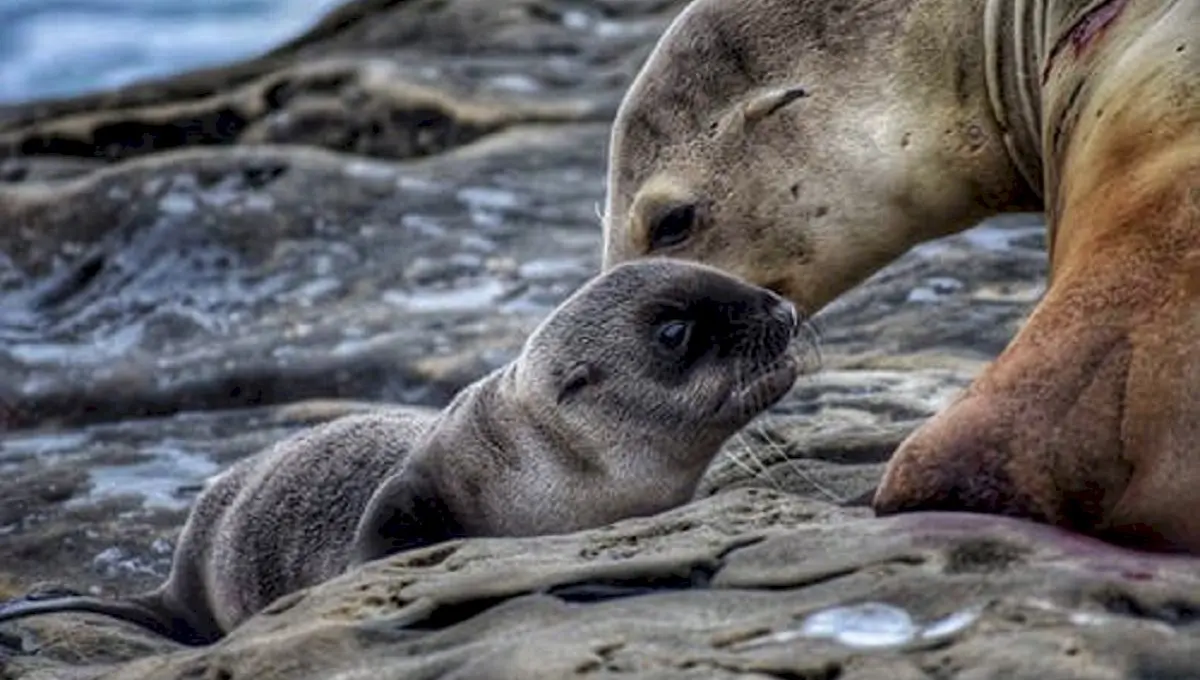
(804, 144)
(614, 408)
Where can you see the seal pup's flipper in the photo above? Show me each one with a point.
(405, 513)
(143, 611)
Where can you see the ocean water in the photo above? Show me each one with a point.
(52, 48)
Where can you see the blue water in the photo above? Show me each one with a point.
(65, 47)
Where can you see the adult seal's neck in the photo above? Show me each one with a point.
(1014, 49)
(1021, 39)
(1046, 61)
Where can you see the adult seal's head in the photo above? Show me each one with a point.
(803, 144)
(615, 407)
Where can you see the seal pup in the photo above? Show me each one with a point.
(802, 145)
(614, 408)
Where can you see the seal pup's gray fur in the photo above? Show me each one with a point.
(616, 405)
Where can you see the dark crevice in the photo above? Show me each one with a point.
(206, 671)
(127, 139)
(544, 14)
(390, 133)
(175, 89)
(829, 670)
(833, 574)
(15, 174)
(429, 556)
(374, 379)
(387, 132)
(10, 641)
(282, 93)
(398, 133)
(587, 592)
(697, 577)
(69, 283)
(1175, 611)
(742, 543)
(254, 176)
(262, 176)
(449, 615)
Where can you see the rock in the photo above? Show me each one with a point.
(374, 215)
(748, 583)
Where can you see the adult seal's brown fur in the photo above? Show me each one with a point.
(804, 144)
(614, 408)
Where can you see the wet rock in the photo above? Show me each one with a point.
(748, 583)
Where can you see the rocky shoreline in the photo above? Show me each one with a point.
(377, 213)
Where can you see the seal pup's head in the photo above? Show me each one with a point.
(661, 354)
(804, 144)
(614, 408)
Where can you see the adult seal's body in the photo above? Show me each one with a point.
(614, 408)
(804, 144)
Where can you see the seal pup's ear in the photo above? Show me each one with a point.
(770, 102)
(404, 513)
(575, 378)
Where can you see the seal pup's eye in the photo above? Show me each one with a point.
(674, 334)
(672, 227)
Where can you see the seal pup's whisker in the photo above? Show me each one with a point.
(760, 471)
(804, 342)
(807, 343)
(797, 468)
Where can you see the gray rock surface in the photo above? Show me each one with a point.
(377, 213)
(746, 584)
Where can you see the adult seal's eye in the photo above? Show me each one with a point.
(672, 227)
(674, 334)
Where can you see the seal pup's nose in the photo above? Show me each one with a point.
(785, 311)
